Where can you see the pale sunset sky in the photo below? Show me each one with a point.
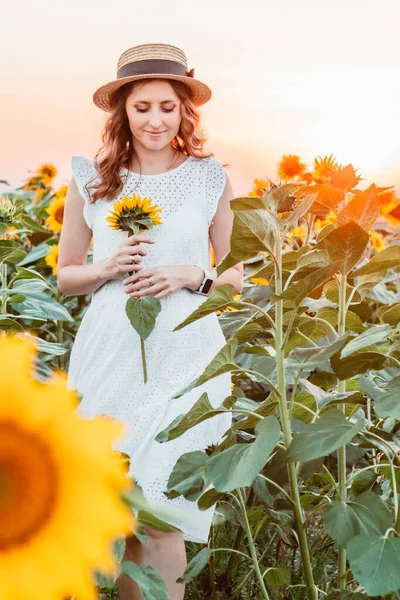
(288, 77)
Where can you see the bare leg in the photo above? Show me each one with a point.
(166, 552)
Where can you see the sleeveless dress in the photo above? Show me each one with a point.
(105, 360)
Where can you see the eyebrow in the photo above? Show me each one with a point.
(146, 102)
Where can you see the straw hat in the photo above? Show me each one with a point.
(145, 61)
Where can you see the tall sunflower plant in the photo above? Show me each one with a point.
(320, 342)
(135, 214)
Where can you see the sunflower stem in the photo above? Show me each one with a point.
(312, 593)
(143, 360)
(4, 285)
(341, 452)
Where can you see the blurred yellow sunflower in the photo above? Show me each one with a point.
(55, 210)
(212, 257)
(33, 183)
(10, 235)
(47, 172)
(377, 241)
(298, 232)
(290, 167)
(324, 167)
(319, 223)
(229, 308)
(51, 259)
(389, 206)
(61, 494)
(259, 280)
(39, 195)
(134, 213)
(258, 186)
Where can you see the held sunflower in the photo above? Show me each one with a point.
(134, 214)
(61, 485)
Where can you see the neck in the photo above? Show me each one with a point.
(153, 161)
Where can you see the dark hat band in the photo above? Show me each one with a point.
(154, 65)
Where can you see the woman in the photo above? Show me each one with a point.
(153, 146)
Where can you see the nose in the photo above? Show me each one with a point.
(155, 119)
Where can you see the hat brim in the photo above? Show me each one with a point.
(201, 92)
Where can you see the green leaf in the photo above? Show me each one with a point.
(296, 214)
(145, 517)
(148, 579)
(239, 465)
(310, 358)
(220, 298)
(371, 336)
(253, 232)
(199, 412)
(195, 566)
(248, 331)
(7, 249)
(226, 263)
(389, 314)
(363, 481)
(313, 260)
(330, 432)
(38, 305)
(23, 273)
(296, 292)
(388, 405)
(33, 225)
(353, 321)
(355, 364)
(331, 291)
(366, 514)
(189, 477)
(375, 563)
(363, 209)
(314, 329)
(38, 252)
(387, 258)
(223, 362)
(10, 324)
(300, 413)
(345, 245)
(142, 313)
(345, 595)
(209, 498)
(275, 577)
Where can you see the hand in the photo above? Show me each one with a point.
(120, 263)
(164, 280)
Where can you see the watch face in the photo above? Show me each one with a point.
(207, 285)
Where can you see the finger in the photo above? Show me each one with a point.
(133, 258)
(144, 273)
(133, 267)
(149, 291)
(136, 238)
(136, 250)
(162, 294)
(138, 285)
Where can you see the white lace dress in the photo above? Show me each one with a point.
(105, 362)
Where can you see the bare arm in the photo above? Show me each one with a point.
(74, 276)
(220, 231)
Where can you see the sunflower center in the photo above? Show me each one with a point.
(28, 485)
(59, 215)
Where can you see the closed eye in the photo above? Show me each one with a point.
(143, 110)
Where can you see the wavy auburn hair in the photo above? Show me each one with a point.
(117, 139)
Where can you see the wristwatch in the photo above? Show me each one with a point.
(205, 284)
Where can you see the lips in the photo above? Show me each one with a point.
(155, 134)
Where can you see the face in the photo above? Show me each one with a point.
(153, 107)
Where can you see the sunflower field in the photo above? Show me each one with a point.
(306, 482)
